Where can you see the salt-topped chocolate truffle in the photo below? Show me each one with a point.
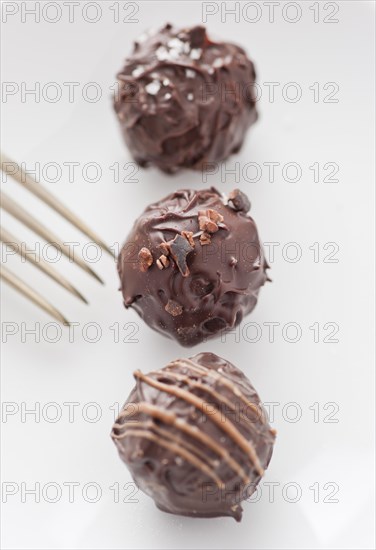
(184, 100)
(193, 264)
(195, 437)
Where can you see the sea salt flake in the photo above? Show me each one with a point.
(162, 53)
(189, 73)
(176, 44)
(190, 97)
(137, 71)
(166, 82)
(196, 53)
(218, 62)
(153, 87)
(174, 54)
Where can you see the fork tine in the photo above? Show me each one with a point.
(12, 241)
(42, 193)
(10, 278)
(32, 223)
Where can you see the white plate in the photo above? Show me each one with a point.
(325, 456)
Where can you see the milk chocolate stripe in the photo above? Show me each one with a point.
(228, 380)
(222, 379)
(171, 419)
(149, 425)
(177, 449)
(227, 426)
(220, 398)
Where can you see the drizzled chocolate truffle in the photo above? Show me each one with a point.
(184, 100)
(193, 265)
(195, 437)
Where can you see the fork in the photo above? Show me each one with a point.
(16, 171)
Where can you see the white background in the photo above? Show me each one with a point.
(305, 292)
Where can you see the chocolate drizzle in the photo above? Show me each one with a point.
(250, 407)
(171, 419)
(214, 415)
(200, 284)
(182, 412)
(185, 100)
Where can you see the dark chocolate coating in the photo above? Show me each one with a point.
(195, 437)
(204, 289)
(184, 100)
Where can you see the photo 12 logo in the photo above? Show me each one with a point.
(277, 172)
(70, 171)
(272, 492)
(270, 12)
(70, 12)
(70, 492)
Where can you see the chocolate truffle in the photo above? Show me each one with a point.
(195, 437)
(193, 264)
(184, 100)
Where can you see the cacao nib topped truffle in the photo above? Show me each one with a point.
(184, 100)
(195, 437)
(193, 264)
